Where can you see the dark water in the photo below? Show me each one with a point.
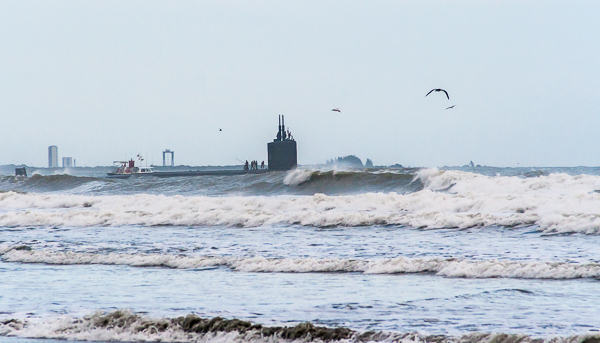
(306, 182)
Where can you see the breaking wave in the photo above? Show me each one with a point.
(431, 199)
(459, 182)
(306, 181)
(426, 210)
(357, 181)
(295, 182)
(126, 326)
(49, 183)
(455, 268)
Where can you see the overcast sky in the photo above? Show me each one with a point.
(106, 80)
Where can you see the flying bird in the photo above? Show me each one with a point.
(438, 90)
(220, 130)
(450, 107)
(337, 110)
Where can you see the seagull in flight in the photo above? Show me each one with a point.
(438, 90)
(450, 107)
(337, 110)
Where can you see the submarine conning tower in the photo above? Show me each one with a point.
(282, 151)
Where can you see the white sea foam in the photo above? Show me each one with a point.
(472, 183)
(556, 203)
(128, 327)
(297, 176)
(441, 267)
(135, 260)
(68, 328)
(4, 247)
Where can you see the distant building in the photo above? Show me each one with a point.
(53, 156)
(67, 162)
(167, 152)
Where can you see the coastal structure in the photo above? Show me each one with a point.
(67, 162)
(53, 156)
(166, 152)
(282, 151)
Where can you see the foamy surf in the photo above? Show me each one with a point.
(460, 182)
(126, 326)
(427, 209)
(555, 203)
(455, 268)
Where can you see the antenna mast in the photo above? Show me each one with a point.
(280, 127)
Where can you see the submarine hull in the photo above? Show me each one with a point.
(282, 155)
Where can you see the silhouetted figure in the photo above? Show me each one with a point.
(262, 165)
(246, 165)
(279, 135)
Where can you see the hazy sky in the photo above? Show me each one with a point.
(106, 80)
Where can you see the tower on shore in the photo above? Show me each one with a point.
(167, 152)
(67, 162)
(282, 151)
(52, 156)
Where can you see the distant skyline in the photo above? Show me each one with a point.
(107, 80)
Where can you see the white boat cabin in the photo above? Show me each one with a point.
(128, 167)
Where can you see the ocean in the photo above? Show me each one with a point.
(452, 254)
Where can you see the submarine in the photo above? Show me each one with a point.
(282, 155)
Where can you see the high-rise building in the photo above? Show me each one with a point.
(67, 162)
(52, 156)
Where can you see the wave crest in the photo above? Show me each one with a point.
(426, 210)
(126, 326)
(441, 267)
(297, 176)
(557, 203)
(335, 181)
